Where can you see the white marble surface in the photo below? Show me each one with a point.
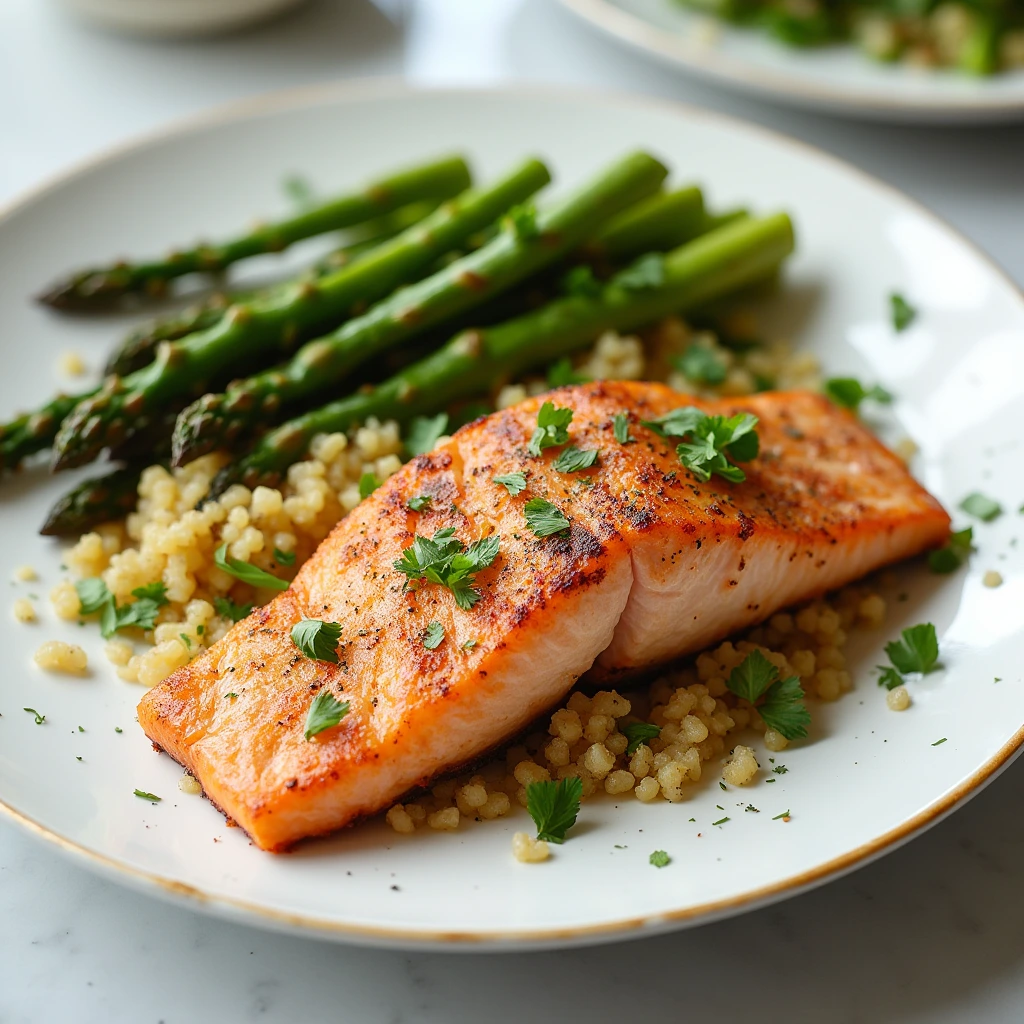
(931, 934)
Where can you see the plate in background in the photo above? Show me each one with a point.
(834, 79)
(866, 781)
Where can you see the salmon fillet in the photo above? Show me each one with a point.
(655, 565)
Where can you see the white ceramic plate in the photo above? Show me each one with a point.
(868, 778)
(838, 79)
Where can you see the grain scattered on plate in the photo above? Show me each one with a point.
(58, 656)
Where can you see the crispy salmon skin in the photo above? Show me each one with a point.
(655, 564)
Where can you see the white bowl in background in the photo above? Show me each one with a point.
(178, 17)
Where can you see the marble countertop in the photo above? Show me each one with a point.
(932, 933)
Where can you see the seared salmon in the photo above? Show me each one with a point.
(655, 564)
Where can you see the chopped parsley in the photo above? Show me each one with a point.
(231, 696)
(245, 572)
(318, 640)
(620, 427)
(783, 706)
(660, 859)
(514, 483)
(637, 733)
(523, 221)
(573, 459)
(710, 444)
(150, 592)
(752, 809)
(419, 503)
(543, 518)
(903, 313)
(552, 428)
(953, 553)
(324, 713)
(646, 272)
(284, 557)
(186, 640)
(424, 432)
(433, 635)
(889, 677)
(780, 769)
(784, 816)
(582, 282)
(39, 719)
(701, 365)
(118, 728)
(368, 483)
(938, 743)
(981, 507)
(469, 645)
(721, 821)
(848, 392)
(229, 610)
(445, 560)
(554, 807)
(94, 596)
(916, 651)
(151, 797)
(560, 374)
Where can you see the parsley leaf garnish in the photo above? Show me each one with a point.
(544, 518)
(637, 733)
(318, 640)
(711, 444)
(916, 651)
(889, 677)
(469, 645)
(554, 807)
(848, 392)
(324, 713)
(443, 559)
(523, 220)
(752, 676)
(953, 553)
(582, 282)
(782, 708)
(620, 427)
(561, 374)
(780, 769)
(226, 607)
(514, 483)
(284, 557)
(92, 595)
(39, 719)
(646, 272)
(573, 459)
(701, 365)
(419, 503)
(156, 592)
(433, 635)
(151, 797)
(982, 507)
(368, 483)
(245, 572)
(552, 428)
(903, 313)
(424, 432)
(660, 859)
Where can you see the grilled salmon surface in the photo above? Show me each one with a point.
(654, 565)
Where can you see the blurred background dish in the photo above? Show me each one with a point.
(839, 79)
(178, 17)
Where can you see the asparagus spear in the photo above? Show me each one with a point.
(139, 347)
(693, 274)
(93, 501)
(269, 326)
(655, 224)
(90, 288)
(523, 247)
(31, 432)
